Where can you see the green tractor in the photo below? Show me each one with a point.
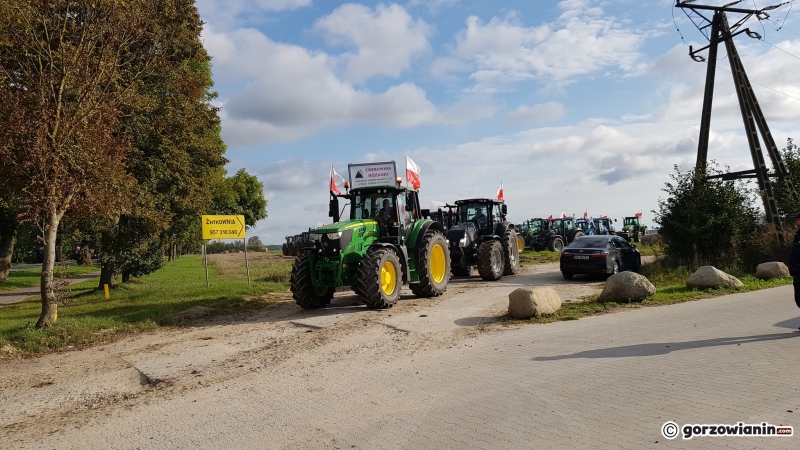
(558, 234)
(483, 238)
(385, 244)
(632, 229)
(535, 227)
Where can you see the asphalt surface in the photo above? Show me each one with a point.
(607, 382)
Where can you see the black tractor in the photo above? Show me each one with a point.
(447, 215)
(482, 238)
(558, 234)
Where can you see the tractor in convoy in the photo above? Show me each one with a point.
(557, 235)
(632, 229)
(535, 226)
(447, 215)
(304, 242)
(601, 225)
(385, 244)
(482, 238)
(288, 246)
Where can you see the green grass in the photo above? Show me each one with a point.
(173, 296)
(543, 257)
(32, 277)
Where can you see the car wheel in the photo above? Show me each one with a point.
(614, 269)
(567, 275)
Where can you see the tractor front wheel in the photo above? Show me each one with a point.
(433, 266)
(490, 260)
(379, 279)
(556, 244)
(303, 291)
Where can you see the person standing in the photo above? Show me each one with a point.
(794, 261)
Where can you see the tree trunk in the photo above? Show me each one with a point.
(108, 260)
(6, 251)
(49, 314)
(87, 256)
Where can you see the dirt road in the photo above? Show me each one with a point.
(46, 395)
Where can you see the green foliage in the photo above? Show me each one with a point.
(241, 194)
(786, 195)
(31, 277)
(705, 221)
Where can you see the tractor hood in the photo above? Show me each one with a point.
(344, 225)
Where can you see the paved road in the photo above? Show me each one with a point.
(604, 382)
(21, 294)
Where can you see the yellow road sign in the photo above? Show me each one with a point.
(223, 227)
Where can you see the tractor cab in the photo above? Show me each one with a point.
(630, 224)
(485, 214)
(447, 215)
(601, 225)
(632, 229)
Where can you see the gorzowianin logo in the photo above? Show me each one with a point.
(671, 430)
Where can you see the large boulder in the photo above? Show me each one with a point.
(769, 270)
(627, 286)
(708, 277)
(528, 302)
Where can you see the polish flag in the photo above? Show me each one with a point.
(586, 214)
(563, 216)
(412, 173)
(500, 193)
(336, 180)
(638, 214)
(604, 216)
(550, 217)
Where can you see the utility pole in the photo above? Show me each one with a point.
(752, 116)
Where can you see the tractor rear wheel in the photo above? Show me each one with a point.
(490, 260)
(460, 271)
(510, 254)
(303, 290)
(378, 281)
(556, 244)
(520, 244)
(433, 266)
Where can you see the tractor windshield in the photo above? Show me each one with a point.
(631, 223)
(374, 205)
(478, 212)
(537, 226)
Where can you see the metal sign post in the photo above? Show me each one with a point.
(246, 262)
(205, 258)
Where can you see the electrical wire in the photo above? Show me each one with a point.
(778, 48)
(764, 86)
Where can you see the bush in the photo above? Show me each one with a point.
(706, 222)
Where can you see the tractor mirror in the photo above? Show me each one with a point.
(333, 209)
(426, 213)
(504, 209)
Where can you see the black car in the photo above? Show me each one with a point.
(599, 254)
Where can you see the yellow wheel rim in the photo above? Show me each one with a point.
(438, 263)
(388, 278)
(320, 291)
(520, 244)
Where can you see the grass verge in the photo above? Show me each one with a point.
(671, 288)
(173, 296)
(32, 277)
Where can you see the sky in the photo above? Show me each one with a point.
(575, 106)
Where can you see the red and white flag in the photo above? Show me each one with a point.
(500, 193)
(638, 214)
(586, 214)
(336, 180)
(604, 216)
(412, 173)
(550, 217)
(563, 216)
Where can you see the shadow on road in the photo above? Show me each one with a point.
(791, 323)
(662, 348)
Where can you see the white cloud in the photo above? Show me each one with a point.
(290, 92)
(582, 41)
(542, 111)
(386, 39)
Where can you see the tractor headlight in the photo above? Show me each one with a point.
(462, 242)
(333, 236)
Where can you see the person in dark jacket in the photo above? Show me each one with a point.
(794, 261)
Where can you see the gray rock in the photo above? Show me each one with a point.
(527, 302)
(769, 270)
(627, 286)
(708, 277)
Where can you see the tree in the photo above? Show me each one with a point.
(241, 194)
(67, 70)
(786, 194)
(254, 244)
(176, 151)
(705, 221)
(8, 235)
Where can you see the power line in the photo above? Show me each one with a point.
(764, 86)
(784, 51)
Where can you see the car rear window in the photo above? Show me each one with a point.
(589, 243)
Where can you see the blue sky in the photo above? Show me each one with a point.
(574, 105)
